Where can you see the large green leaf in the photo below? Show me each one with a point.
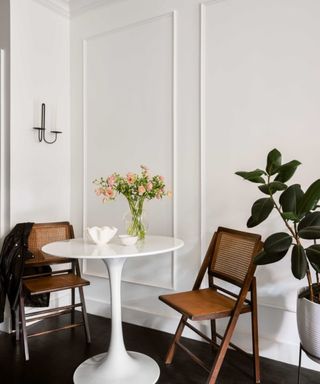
(260, 210)
(286, 171)
(310, 233)
(310, 198)
(273, 162)
(253, 176)
(263, 257)
(298, 261)
(290, 198)
(251, 222)
(278, 242)
(290, 216)
(272, 187)
(313, 254)
(311, 219)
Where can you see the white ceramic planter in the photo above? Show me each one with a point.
(308, 319)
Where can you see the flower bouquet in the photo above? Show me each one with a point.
(136, 188)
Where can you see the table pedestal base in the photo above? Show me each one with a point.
(99, 369)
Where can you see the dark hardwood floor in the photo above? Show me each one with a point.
(54, 357)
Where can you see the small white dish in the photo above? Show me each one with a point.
(128, 240)
(101, 235)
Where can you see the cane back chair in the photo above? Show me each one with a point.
(229, 259)
(66, 277)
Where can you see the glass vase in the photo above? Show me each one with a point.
(135, 222)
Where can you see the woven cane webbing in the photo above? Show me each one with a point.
(42, 234)
(233, 254)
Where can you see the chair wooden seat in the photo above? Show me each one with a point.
(203, 304)
(38, 285)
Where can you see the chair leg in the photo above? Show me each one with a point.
(213, 334)
(222, 350)
(73, 300)
(84, 315)
(17, 323)
(177, 335)
(299, 368)
(23, 328)
(213, 324)
(255, 335)
(13, 320)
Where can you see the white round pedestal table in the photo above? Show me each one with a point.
(117, 366)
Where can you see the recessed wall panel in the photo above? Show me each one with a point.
(128, 116)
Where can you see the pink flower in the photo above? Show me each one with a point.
(131, 177)
(132, 185)
(109, 193)
(141, 190)
(111, 180)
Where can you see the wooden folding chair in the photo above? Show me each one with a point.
(68, 278)
(229, 259)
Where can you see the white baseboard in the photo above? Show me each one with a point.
(6, 325)
(269, 348)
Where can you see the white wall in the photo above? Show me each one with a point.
(4, 112)
(260, 90)
(4, 119)
(40, 173)
(231, 79)
(35, 177)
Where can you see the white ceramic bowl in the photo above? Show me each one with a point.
(128, 240)
(101, 235)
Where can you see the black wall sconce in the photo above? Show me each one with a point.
(42, 129)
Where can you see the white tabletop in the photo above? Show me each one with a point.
(84, 249)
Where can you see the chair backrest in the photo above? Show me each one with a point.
(44, 233)
(231, 254)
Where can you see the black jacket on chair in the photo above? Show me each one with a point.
(12, 257)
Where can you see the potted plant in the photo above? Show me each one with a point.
(300, 214)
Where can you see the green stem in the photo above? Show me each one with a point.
(310, 284)
(136, 226)
(295, 235)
